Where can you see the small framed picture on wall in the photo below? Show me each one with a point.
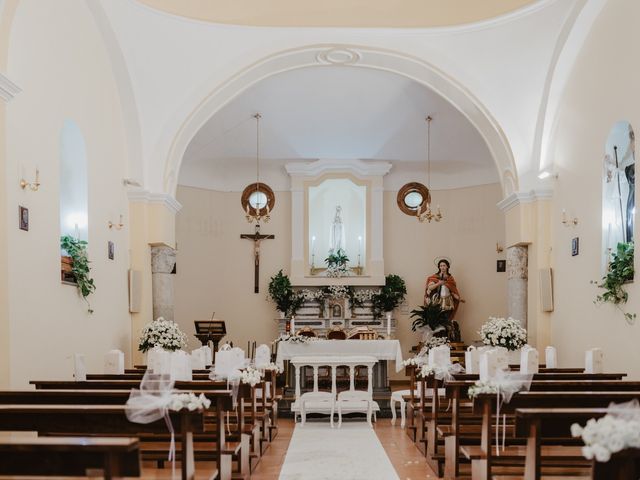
(110, 250)
(501, 266)
(23, 218)
(575, 246)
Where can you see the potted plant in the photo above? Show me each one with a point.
(77, 250)
(337, 264)
(620, 271)
(281, 293)
(431, 316)
(390, 296)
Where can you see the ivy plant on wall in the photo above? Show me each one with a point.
(77, 250)
(620, 271)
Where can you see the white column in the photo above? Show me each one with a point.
(297, 382)
(352, 385)
(163, 259)
(370, 379)
(334, 386)
(315, 378)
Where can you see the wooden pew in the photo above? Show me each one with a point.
(70, 456)
(102, 419)
(536, 421)
(549, 393)
(247, 421)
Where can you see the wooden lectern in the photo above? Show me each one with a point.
(210, 331)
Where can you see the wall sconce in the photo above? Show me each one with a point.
(568, 222)
(32, 186)
(499, 248)
(117, 226)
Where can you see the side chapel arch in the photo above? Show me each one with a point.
(348, 56)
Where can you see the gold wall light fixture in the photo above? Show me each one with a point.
(117, 226)
(33, 186)
(568, 221)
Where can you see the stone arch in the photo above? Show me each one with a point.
(349, 56)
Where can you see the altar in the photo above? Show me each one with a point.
(381, 350)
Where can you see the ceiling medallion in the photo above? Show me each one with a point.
(338, 56)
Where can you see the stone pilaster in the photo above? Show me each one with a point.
(163, 259)
(517, 282)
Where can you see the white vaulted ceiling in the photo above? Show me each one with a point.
(337, 112)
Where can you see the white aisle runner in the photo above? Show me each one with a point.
(353, 452)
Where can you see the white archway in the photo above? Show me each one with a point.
(349, 56)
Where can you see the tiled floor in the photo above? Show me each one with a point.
(409, 463)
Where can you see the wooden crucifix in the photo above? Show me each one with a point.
(257, 238)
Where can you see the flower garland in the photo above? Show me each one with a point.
(500, 332)
(414, 361)
(162, 333)
(338, 291)
(482, 387)
(365, 295)
(251, 376)
(425, 371)
(610, 434)
(189, 401)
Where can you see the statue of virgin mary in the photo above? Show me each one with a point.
(337, 235)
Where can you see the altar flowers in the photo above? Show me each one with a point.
(619, 429)
(507, 333)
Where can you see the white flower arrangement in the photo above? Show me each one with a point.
(189, 401)
(162, 333)
(272, 367)
(482, 387)
(251, 376)
(414, 361)
(610, 434)
(287, 337)
(338, 271)
(507, 333)
(365, 295)
(312, 295)
(434, 342)
(338, 291)
(425, 371)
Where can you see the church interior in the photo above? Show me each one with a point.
(309, 240)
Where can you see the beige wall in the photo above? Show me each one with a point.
(64, 73)
(215, 267)
(603, 89)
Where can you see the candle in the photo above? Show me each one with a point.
(37, 176)
(313, 244)
(359, 245)
(77, 232)
(388, 324)
(293, 325)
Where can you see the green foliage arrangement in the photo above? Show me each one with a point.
(281, 293)
(77, 250)
(620, 271)
(431, 316)
(390, 296)
(337, 258)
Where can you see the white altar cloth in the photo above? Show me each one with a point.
(379, 349)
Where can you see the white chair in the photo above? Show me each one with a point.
(317, 402)
(354, 401)
(396, 397)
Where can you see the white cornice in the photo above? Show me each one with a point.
(140, 195)
(519, 198)
(8, 89)
(318, 167)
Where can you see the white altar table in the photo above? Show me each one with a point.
(379, 349)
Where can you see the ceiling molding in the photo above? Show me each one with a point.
(140, 195)
(520, 198)
(8, 89)
(318, 167)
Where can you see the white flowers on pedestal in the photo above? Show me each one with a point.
(500, 332)
(251, 376)
(189, 401)
(162, 333)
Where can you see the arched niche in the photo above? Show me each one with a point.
(74, 220)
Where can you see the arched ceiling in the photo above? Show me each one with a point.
(337, 112)
(340, 13)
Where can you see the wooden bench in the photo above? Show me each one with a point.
(102, 419)
(457, 394)
(247, 421)
(70, 456)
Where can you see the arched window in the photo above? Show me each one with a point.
(74, 220)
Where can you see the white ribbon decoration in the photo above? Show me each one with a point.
(151, 403)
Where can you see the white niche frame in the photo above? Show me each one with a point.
(306, 174)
